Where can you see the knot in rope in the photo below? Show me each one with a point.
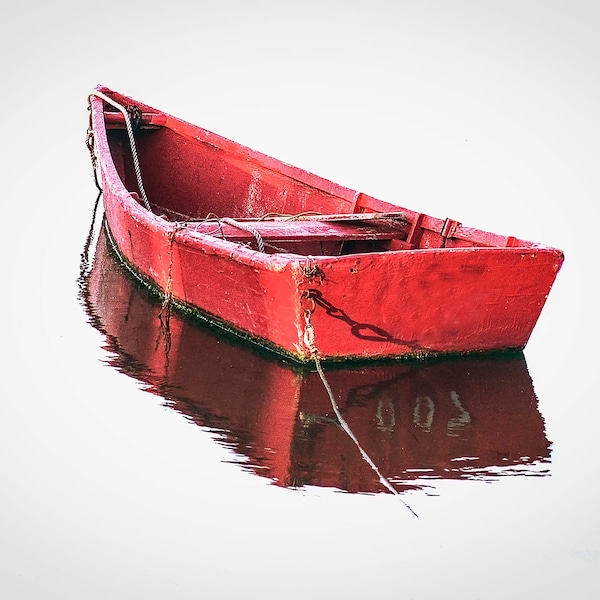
(311, 269)
(135, 114)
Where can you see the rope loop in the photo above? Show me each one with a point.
(135, 114)
(136, 163)
(307, 301)
(246, 227)
(90, 143)
(311, 269)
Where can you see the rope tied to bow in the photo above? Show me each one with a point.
(128, 113)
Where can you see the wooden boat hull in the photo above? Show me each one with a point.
(435, 288)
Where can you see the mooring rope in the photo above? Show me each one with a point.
(90, 144)
(310, 342)
(246, 227)
(84, 257)
(134, 155)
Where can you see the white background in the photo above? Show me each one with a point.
(485, 112)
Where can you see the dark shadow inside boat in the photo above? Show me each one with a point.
(473, 418)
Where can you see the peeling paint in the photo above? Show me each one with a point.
(254, 193)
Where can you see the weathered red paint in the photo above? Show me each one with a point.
(390, 286)
(417, 420)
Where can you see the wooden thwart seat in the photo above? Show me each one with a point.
(305, 230)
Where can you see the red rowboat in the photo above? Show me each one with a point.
(419, 420)
(296, 263)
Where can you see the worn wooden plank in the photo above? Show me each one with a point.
(297, 231)
(356, 217)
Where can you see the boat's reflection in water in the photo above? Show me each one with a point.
(467, 418)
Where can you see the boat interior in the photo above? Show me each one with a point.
(216, 187)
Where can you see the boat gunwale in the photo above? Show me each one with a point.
(202, 240)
